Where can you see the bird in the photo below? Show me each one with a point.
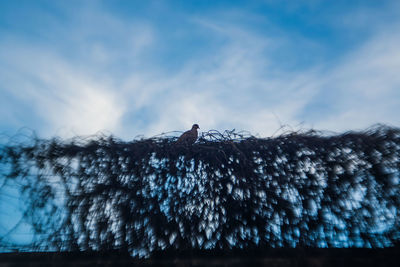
(189, 137)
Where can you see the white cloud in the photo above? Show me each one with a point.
(236, 83)
(72, 85)
(61, 94)
(233, 87)
(366, 85)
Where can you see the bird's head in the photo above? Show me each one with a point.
(195, 126)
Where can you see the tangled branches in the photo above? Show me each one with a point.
(229, 190)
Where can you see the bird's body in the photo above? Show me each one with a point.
(189, 137)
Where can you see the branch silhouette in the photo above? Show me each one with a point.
(228, 190)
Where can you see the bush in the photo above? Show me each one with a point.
(227, 191)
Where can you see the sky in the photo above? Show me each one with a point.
(142, 68)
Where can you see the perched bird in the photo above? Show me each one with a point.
(189, 137)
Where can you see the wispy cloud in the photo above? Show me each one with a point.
(59, 93)
(110, 73)
(363, 87)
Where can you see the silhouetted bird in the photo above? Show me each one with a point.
(189, 137)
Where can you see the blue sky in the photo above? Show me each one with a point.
(146, 67)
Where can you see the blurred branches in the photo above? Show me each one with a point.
(229, 190)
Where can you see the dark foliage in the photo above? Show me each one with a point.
(227, 191)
